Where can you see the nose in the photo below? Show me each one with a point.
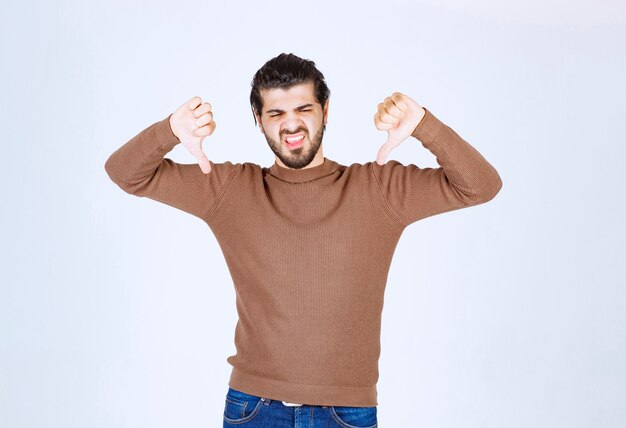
(293, 124)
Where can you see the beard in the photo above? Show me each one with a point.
(303, 155)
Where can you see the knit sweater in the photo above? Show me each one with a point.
(308, 250)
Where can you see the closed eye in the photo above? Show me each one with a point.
(278, 114)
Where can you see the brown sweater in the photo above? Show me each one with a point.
(308, 250)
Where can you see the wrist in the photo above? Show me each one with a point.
(419, 120)
(169, 121)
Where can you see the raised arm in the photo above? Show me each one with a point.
(140, 168)
(464, 177)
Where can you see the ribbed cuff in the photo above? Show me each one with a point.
(165, 135)
(428, 127)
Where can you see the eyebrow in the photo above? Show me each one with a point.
(276, 110)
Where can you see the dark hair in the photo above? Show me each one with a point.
(285, 71)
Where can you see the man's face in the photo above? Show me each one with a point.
(293, 115)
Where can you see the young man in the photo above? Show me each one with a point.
(308, 241)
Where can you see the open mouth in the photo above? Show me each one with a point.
(294, 141)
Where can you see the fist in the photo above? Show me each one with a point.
(191, 123)
(399, 115)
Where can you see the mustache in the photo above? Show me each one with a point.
(294, 132)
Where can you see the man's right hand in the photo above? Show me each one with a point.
(191, 123)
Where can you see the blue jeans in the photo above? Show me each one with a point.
(245, 410)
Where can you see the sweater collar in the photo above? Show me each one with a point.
(305, 174)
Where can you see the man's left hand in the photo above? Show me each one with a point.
(399, 115)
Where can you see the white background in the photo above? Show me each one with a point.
(118, 311)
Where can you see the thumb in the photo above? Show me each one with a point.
(205, 165)
(203, 161)
(383, 152)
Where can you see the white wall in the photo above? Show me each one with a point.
(117, 311)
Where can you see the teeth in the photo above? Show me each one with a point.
(294, 139)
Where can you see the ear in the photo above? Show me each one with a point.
(326, 110)
(258, 120)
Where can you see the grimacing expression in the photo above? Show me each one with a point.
(289, 113)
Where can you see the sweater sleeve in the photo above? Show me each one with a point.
(463, 179)
(140, 168)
